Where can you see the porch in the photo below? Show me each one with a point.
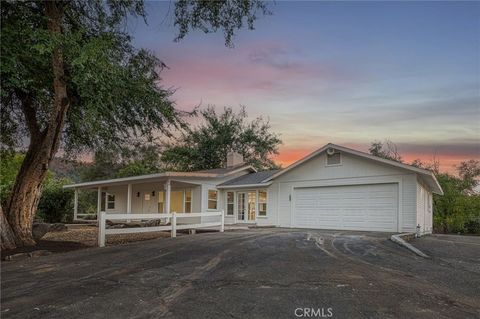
(162, 196)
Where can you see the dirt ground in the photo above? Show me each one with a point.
(80, 238)
(260, 273)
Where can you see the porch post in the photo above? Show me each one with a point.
(99, 202)
(167, 196)
(75, 205)
(129, 199)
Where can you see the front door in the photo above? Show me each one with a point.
(247, 206)
(241, 198)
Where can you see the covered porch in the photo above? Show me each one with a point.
(162, 195)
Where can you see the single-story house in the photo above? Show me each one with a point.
(334, 187)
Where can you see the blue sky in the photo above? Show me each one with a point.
(341, 72)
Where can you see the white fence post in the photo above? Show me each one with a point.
(75, 205)
(101, 229)
(174, 225)
(222, 227)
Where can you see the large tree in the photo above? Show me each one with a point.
(206, 145)
(72, 79)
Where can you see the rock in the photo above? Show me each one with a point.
(58, 227)
(17, 256)
(37, 253)
(39, 230)
(153, 223)
(117, 226)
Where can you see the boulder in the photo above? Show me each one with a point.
(39, 230)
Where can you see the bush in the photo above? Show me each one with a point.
(9, 167)
(56, 203)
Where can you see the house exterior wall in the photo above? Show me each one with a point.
(424, 208)
(139, 204)
(259, 220)
(353, 171)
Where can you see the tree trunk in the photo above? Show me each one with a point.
(6, 233)
(22, 204)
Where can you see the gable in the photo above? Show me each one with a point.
(351, 166)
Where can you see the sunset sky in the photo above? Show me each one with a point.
(341, 72)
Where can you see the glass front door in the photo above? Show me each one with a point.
(252, 206)
(246, 206)
(241, 207)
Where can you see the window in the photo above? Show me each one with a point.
(160, 201)
(110, 201)
(188, 201)
(334, 159)
(212, 199)
(262, 203)
(230, 203)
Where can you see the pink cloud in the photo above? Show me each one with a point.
(264, 69)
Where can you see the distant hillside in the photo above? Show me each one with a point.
(67, 168)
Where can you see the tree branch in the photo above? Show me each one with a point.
(30, 114)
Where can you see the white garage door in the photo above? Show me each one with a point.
(358, 207)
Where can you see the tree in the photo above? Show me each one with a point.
(206, 146)
(387, 150)
(71, 78)
(469, 171)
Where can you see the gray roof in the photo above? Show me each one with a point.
(222, 171)
(249, 179)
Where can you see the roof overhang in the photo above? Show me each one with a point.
(157, 178)
(245, 186)
(427, 176)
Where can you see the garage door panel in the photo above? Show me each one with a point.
(359, 207)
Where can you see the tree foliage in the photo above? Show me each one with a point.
(113, 89)
(9, 166)
(210, 16)
(71, 78)
(56, 203)
(206, 145)
(139, 159)
(386, 149)
(458, 209)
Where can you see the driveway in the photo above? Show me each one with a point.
(261, 273)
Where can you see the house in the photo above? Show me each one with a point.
(334, 187)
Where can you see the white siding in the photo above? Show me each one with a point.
(353, 171)
(424, 208)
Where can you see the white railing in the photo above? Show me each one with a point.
(173, 227)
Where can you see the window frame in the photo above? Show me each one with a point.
(230, 203)
(260, 202)
(109, 201)
(212, 200)
(337, 164)
(185, 200)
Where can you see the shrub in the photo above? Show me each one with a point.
(56, 203)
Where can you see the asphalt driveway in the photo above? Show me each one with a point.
(262, 273)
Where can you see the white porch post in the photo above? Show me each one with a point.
(129, 199)
(99, 202)
(75, 205)
(167, 196)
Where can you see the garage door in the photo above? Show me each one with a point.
(359, 207)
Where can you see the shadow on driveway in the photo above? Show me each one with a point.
(261, 273)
